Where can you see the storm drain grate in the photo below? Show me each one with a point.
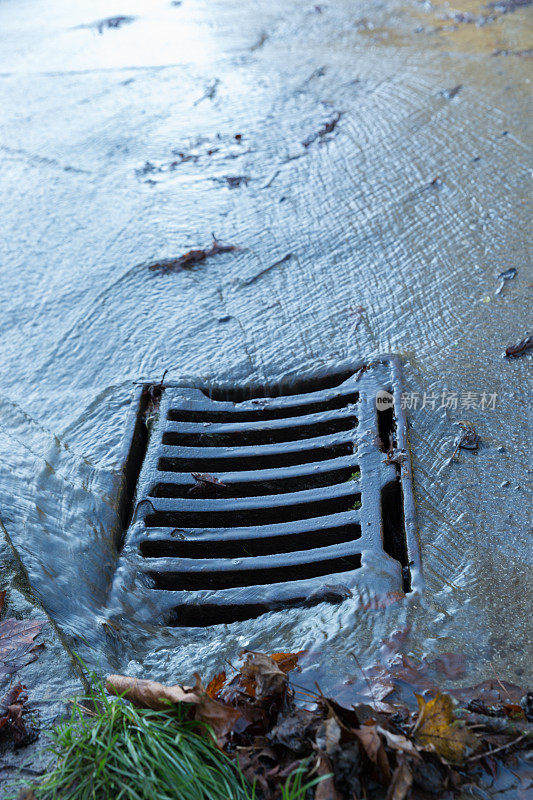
(248, 505)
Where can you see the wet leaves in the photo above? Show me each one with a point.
(191, 258)
(151, 398)
(234, 181)
(206, 485)
(518, 349)
(17, 647)
(437, 728)
(466, 439)
(13, 717)
(372, 751)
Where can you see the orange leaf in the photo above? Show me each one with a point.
(287, 661)
(215, 684)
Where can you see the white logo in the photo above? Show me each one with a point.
(384, 401)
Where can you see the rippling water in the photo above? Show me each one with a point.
(116, 149)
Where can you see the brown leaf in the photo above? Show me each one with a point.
(220, 717)
(2, 598)
(215, 684)
(16, 643)
(399, 742)
(451, 665)
(11, 715)
(329, 735)
(438, 729)
(373, 746)
(518, 349)
(325, 790)
(158, 697)
(263, 676)
(295, 731)
(150, 694)
(514, 711)
(402, 780)
(286, 661)
(491, 692)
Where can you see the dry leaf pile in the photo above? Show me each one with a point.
(371, 750)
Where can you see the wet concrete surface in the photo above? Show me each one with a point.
(359, 155)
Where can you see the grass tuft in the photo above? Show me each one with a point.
(125, 753)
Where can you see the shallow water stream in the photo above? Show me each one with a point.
(377, 158)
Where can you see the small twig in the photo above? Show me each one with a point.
(365, 678)
(160, 384)
(499, 681)
(496, 750)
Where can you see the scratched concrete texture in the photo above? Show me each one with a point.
(371, 163)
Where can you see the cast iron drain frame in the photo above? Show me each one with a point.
(325, 540)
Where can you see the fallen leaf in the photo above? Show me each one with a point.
(327, 128)
(492, 692)
(329, 735)
(451, 665)
(437, 728)
(518, 349)
(295, 731)
(373, 746)
(402, 781)
(262, 675)
(12, 709)
(399, 742)
(2, 598)
(325, 789)
(150, 694)
(220, 717)
(215, 684)
(16, 643)
(286, 661)
(514, 711)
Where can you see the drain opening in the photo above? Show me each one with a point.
(259, 487)
(394, 539)
(243, 518)
(258, 437)
(227, 579)
(260, 413)
(386, 426)
(287, 458)
(238, 394)
(259, 546)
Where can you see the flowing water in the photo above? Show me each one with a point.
(117, 140)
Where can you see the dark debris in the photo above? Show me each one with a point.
(112, 23)
(518, 349)
(329, 127)
(191, 258)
